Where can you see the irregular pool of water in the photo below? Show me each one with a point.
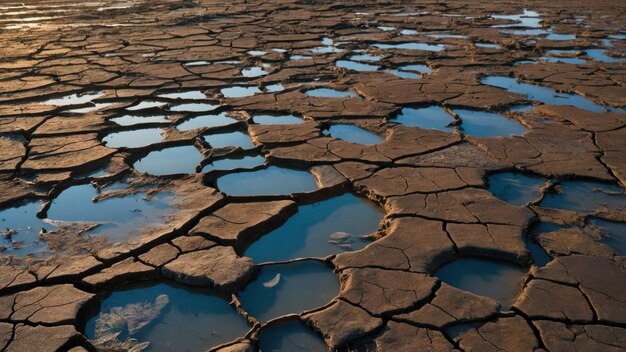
(565, 60)
(133, 139)
(19, 229)
(366, 57)
(290, 336)
(169, 316)
(254, 71)
(273, 88)
(277, 119)
(320, 229)
(488, 124)
(488, 45)
(131, 120)
(560, 36)
(289, 289)
(539, 256)
(194, 107)
(410, 46)
(515, 188)
(585, 196)
(600, 55)
(404, 74)
(353, 134)
(168, 161)
(613, 234)
(233, 163)
(356, 66)
(271, 181)
(257, 52)
(229, 139)
(545, 95)
(326, 50)
(146, 104)
(239, 91)
(300, 57)
(526, 19)
(329, 93)
(191, 95)
(433, 117)
(74, 99)
(499, 281)
(196, 63)
(416, 68)
(205, 121)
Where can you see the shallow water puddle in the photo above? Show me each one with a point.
(168, 316)
(353, 134)
(74, 99)
(196, 63)
(423, 69)
(207, 121)
(120, 217)
(93, 107)
(289, 289)
(320, 229)
(601, 56)
(290, 336)
(516, 188)
(613, 234)
(356, 66)
(300, 57)
(329, 93)
(271, 181)
(229, 139)
(133, 139)
(488, 45)
(194, 107)
(131, 120)
(585, 196)
(268, 119)
(239, 91)
(545, 95)
(255, 71)
(526, 19)
(560, 37)
(168, 161)
(410, 46)
(273, 88)
(538, 255)
(366, 57)
(433, 117)
(190, 95)
(19, 227)
(499, 281)
(147, 104)
(256, 52)
(487, 124)
(234, 163)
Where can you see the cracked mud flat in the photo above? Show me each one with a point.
(310, 176)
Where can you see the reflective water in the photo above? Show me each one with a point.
(74, 99)
(356, 66)
(539, 256)
(232, 163)
(499, 281)
(20, 227)
(271, 181)
(170, 317)
(300, 57)
(204, 121)
(353, 134)
(191, 95)
(366, 57)
(272, 88)
(329, 93)
(277, 119)
(133, 139)
(239, 91)
(526, 19)
(257, 52)
(560, 37)
(194, 107)
(290, 336)
(130, 120)
(289, 289)
(585, 196)
(516, 188)
(433, 117)
(404, 74)
(601, 56)
(320, 229)
(416, 68)
(254, 71)
(411, 46)
(487, 124)
(174, 160)
(229, 139)
(488, 45)
(613, 233)
(146, 104)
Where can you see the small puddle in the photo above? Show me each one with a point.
(300, 57)
(271, 181)
(423, 69)
(329, 93)
(560, 37)
(131, 120)
(196, 63)
(194, 107)
(487, 124)
(255, 71)
(168, 316)
(74, 99)
(515, 188)
(233, 163)
(277, 119)
(499, 281)
(190, 95)
(433, 117)
(585, 196)
(20, 228)
(320, 229)
(526, 19)
(601, 56)
(404, 74)
(356, 66)
(539, 256)
(289, 289)
(613, 234)
(410, 46)
(366, 57)
(273, 88)
(133, 139)
(229, 139)
(256, 52)
(290, 336)
(239, 92)
(169, 161)
(206, 121)
(353, 134)
(148, 104)
(488, 45)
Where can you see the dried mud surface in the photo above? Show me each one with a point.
(119, 56)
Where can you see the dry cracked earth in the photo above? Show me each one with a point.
(310, 175)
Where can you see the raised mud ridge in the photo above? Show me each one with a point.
(244, 176)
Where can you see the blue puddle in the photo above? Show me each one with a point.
(229, 139)
(74, 99)
(20, 228)
(252, 72)
(353, 134)
(239, 91)
(545, 95)
(356, 66)
(487, 124)
(133, 139)
(412, 71)
(290, 336)
(300, 57)
(499, 281)
(168, 161)
(613, 234)
(234, 163)
(488, 45)
(274, 88)
(271, 181)
(433, 117)
(585, 196)
(189, 95)
(206, 121)
(146, 104)
(168, 316)
(131, 120)
(410, 46)
(194, 107)
(268, 119)
(516, 188)
(289, 289)
(366, 57)
(601, 56)
(329, 93)
(560, 37)
(320, 229)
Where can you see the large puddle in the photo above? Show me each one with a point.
(206, 121)
(229, 139)
(499, 281)
(235, 163)
(169, 161)
(320, 229)
(134, 139)
(166, 317)
(516, 188)
(239, 92)
(585, 196)
(487, 124)
(433, 117)
(289, 289)
(356, 66)
(271, 181)
(290, 336)
(353, 134)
